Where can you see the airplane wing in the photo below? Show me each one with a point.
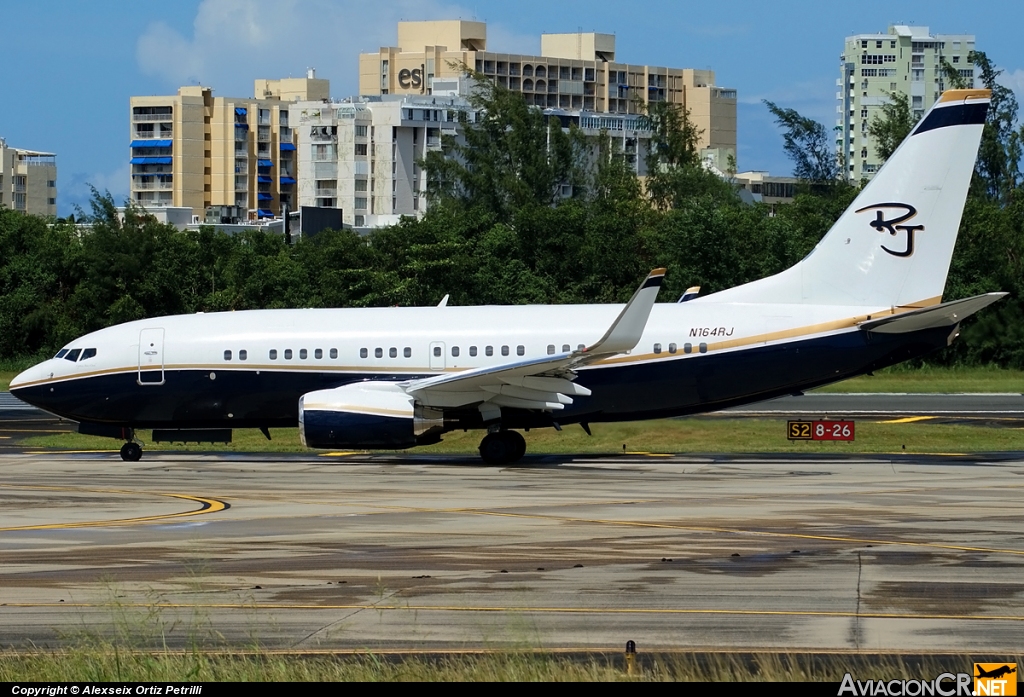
(540, 383)
(944, 315)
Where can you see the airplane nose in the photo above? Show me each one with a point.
(27, 377)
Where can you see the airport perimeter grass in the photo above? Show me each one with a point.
(691, 435)
(105, 663)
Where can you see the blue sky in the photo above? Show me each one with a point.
(71, 66)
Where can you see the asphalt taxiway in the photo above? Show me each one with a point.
(306, 552)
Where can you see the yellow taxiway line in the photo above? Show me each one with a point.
(908, 420)
(207, 505)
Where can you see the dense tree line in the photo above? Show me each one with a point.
(500, 229)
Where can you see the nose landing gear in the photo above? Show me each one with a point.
(502, 447)
(131, 452)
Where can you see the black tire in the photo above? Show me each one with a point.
(131, 452)
(502, 447)
(520, 445)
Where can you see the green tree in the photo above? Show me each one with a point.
(808, 145)
(893, 126)
(998, 173)
(674, 170)
(512, 155)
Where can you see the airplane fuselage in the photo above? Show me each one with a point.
(249, 369)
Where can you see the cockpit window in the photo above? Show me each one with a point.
(72, 355)
(60, 354)
(88, 353)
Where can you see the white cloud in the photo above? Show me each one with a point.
(1015, 81)
(234, 42)
(74, 191)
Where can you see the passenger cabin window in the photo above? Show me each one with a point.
(437, 351)
(393, 352)
(551, 349)
(61, 353)
(472, 350)
(407, 352)
(87, 354)
(504, 350)
(520, 350)
(671, 348)
(455, 351)
(73, 355)
(378, 353)
(580, 347)
(319, 353)
(489, 350)
(287, 354)
(334, 353)
(273, 354)
(227, 355)
(687, 348)
(565, 348)
(302, 354)
(703, 348)
(657, 348)
(243, 354)
(363, 353)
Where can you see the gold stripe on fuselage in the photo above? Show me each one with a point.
(739, 342)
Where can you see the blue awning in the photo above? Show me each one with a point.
(287, 180)
(264, 179)
(264, 213)
(240, 111)
(151, 143)
(265, 163)
(264, 197)
(150, 161)
(287, 146)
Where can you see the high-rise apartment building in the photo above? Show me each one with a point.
(28, 180)
(363, 155)
(906, 60)
(574, 71)
(196, 150)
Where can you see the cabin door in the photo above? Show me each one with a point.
(437, 355)
(151, 357)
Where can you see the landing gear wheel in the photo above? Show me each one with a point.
(502, 448)
(131, 452)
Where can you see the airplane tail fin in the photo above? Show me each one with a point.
(892, 246)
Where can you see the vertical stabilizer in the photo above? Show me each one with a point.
(893, 246)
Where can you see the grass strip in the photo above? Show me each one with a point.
(112, 663)
(690, 435)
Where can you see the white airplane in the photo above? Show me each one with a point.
(868, 296)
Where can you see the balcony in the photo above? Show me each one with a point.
(321, 193)
(152, 117)
(153, 186)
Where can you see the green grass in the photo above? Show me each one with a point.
(934, 379)
(693, 435)
(108, 663)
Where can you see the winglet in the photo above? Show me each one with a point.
(628, 327)
(444, 301)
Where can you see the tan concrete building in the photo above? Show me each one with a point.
(28, 180)
(574, 71)
(907, 60)
(196, 150)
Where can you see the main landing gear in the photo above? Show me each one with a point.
(502, 447)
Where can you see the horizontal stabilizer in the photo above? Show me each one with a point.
(944, 315)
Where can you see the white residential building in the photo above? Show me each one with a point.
(907, 60)
(28, 180)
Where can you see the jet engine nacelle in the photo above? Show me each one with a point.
(366, 415)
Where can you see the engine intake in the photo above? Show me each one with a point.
(366, 416)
